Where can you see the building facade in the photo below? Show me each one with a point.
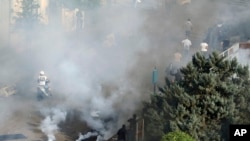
(4, 21)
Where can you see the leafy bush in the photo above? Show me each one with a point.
(177, 136)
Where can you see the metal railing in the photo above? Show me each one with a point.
(230, 52)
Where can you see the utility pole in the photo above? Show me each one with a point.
(154, 79)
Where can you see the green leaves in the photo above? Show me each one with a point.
(177, 136)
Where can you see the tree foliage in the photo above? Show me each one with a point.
(177, 136)
(81, 4)
(212, 94)
(27, 16)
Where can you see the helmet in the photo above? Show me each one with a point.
(41, 72)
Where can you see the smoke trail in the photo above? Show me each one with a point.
(50, 124)
(89, 135)
(78, 69)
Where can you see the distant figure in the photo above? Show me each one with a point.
(225, 44)
(121, 134)
(188, 28)
(79, 19)
(186, 46)
(204, 49)
(42, 79)
(213, 37)
(43, 87)
(220, 31)
(172, 70)
(177, 57)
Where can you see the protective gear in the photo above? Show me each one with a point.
(43, 89)
(42, 80)
(42, 73)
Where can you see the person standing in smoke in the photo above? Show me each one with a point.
(172, 71)
(204, 49)
(186, 47)
(188, 28)
(121, 134)
(42, 84)
(79, 20)
(225, 44)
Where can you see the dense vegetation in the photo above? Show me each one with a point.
(28, 16)
(177, 136)
(212, 94)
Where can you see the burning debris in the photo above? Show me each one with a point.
(50, 124)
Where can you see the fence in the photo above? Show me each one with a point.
(231, 52)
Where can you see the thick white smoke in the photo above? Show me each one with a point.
(88, 135)
(87, 74)
(49, 126)
(243, 56)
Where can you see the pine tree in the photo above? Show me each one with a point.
(212, 94)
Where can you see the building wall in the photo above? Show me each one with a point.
(4, 22)
(69, 19)
(43, 10)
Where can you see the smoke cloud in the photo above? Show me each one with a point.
(87, 135)
(49, 125)
(104, 70)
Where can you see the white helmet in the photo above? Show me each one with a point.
(42, 73)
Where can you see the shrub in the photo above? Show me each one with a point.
(177, 136)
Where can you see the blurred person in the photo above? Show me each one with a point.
(42, 79)
(186, 47)
(188, 28)
(79, 19)
(43, 88)
(121, 134)
(204, 49)
(213, 37)
(177, 56)
(225, 44)
(172, 71)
